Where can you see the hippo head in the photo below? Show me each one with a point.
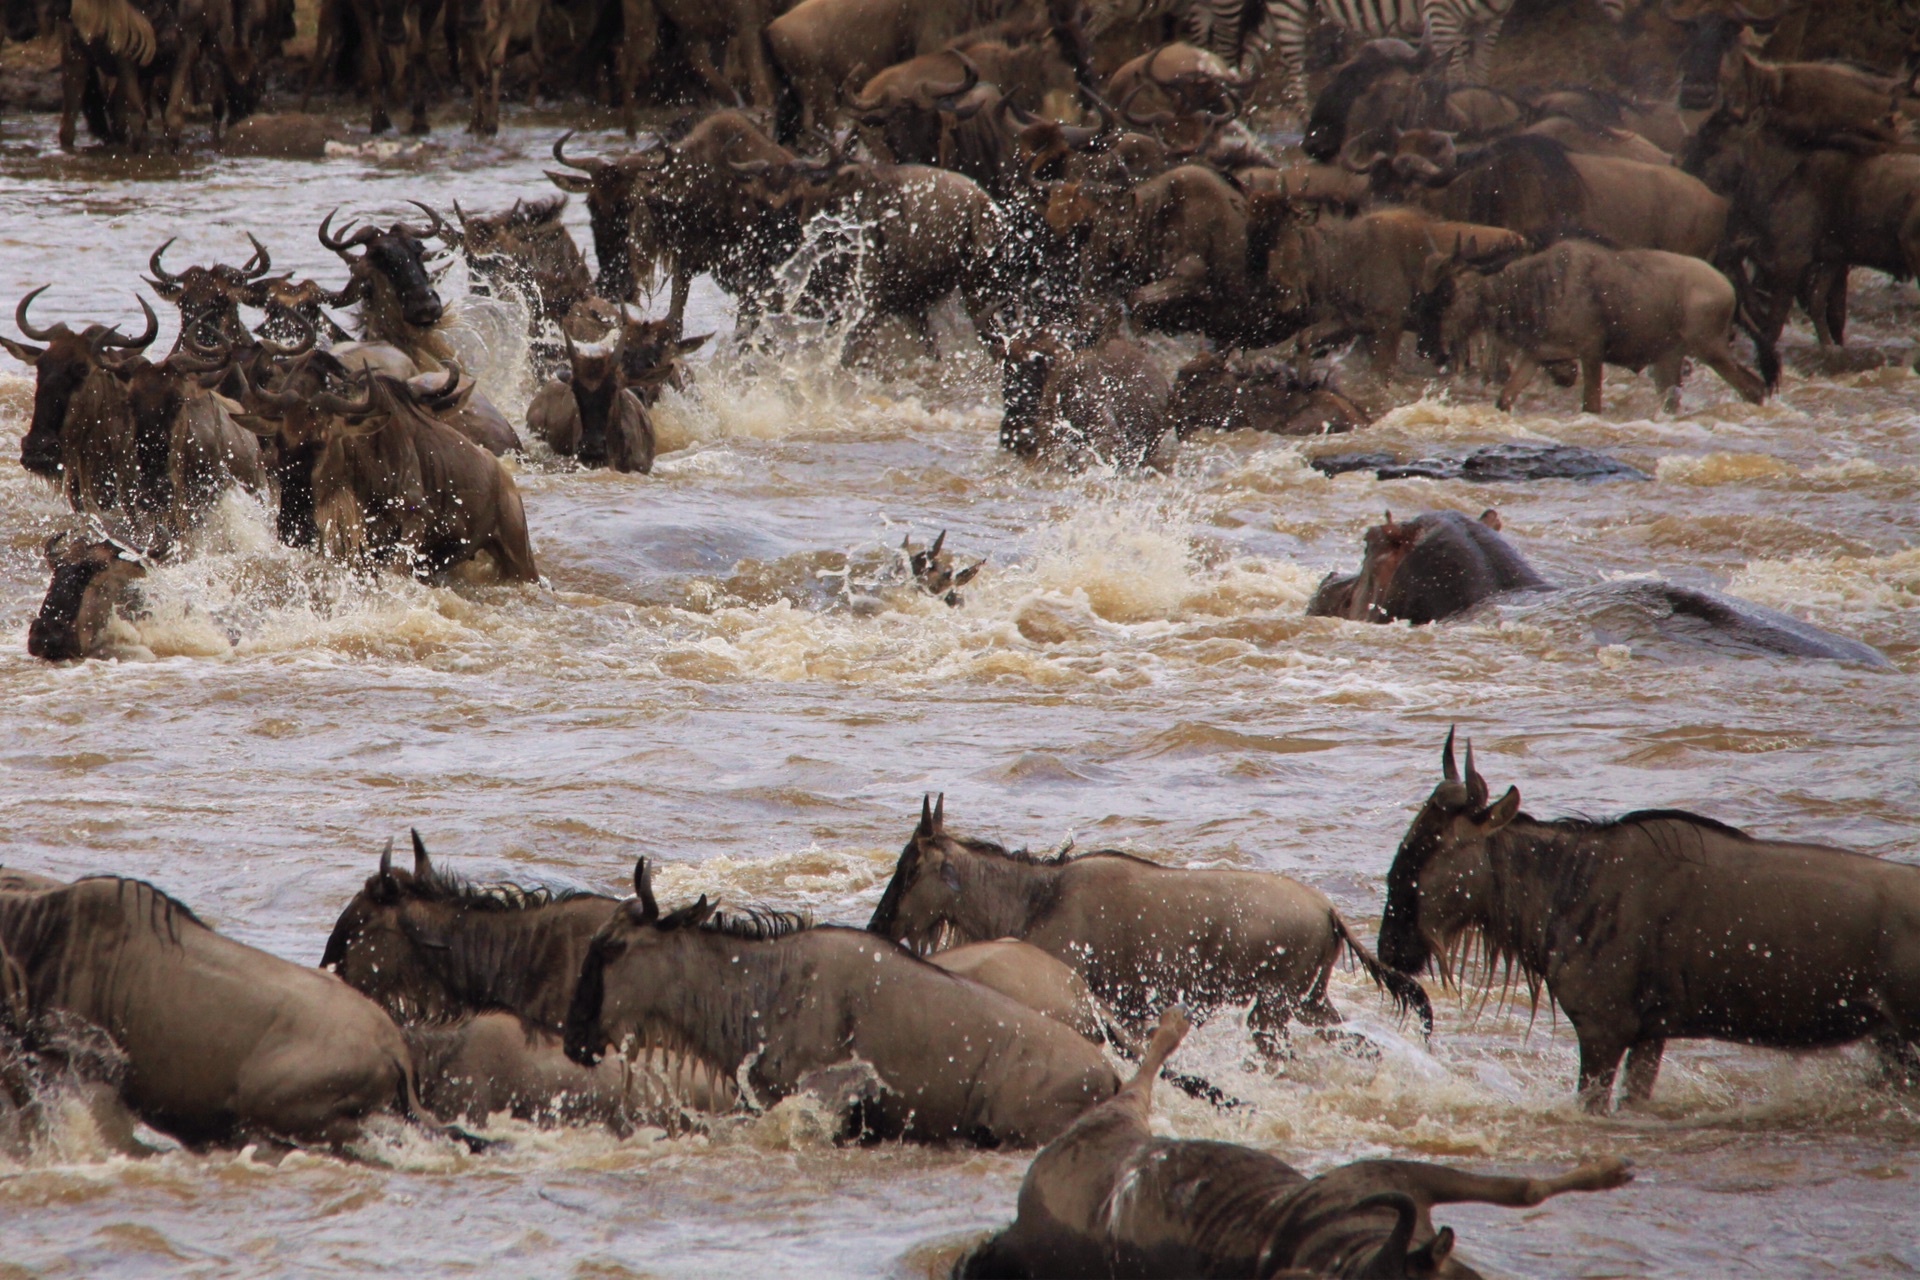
(1441, 865)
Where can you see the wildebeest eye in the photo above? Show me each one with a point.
(949, 876)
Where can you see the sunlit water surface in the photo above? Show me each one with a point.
(729, 675)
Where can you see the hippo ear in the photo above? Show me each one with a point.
(643, 891)
(422, 864)
(1449, 771)
(1503, 811)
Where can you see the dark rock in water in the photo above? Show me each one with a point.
(1651, 613)
(1491, 464)
(291, 136)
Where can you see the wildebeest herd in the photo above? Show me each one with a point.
(911, 157)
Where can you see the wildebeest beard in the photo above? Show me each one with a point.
(715, 1022)
(1538, 872)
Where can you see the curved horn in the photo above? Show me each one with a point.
(345, 240)
(20, 316)
(1448, 769)
(422, 864)
(933, 552)
(969, 77)
(340, 406)
(259, 398)
(1154, 121)
(438, 228)
(160, 273)
(643, 890)
(560, 154)
(260, 256)
(299, 348)
(114, 338)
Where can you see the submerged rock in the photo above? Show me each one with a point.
(1490, 464)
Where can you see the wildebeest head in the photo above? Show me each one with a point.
(88, 580)
(651, 352)
(1026, 362)
(940, 895)
(933, 569)
(392, 266)
(906, 103)
(1441, 865)
(1711, 36)
(598, 379)
(210, 298)
(1381, 68)
(60, 367)
(616, 208)
(671, 981)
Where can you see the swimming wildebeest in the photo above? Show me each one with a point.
(1137, 931)
(771, 999)
(1108, 1199)
(88, 582)
(224, 1043)
(494, 1062)
(78, 434)
(1659, 925)
(595, 415)
(427, 946)
(1441, 564)
(933, 569)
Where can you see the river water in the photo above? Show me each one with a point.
(728, 675)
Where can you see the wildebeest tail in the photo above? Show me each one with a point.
(1408, 995)
(415, 1111)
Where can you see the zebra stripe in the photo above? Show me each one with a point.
(1445, 26)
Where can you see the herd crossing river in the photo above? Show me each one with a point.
(730, 671)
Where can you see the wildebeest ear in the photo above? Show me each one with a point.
(386, 860)
(570, 182)
(21, 351)
(422, 864)
(699, 911)
(1503, 811)
(940, 813)
(1449, 771)
(643, 891)
(926, 828)
(1491, 519)
(686, 345)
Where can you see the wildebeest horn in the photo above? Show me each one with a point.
(438, 227)
(560, 154)
(160, 273)
(20, 316)
(346, 239)
(299, 348)
(386, 860)
(969, 77)
(934, 550)
(1154, 121)
(1448, 769)
(256, 398)
(422, 864)
(643, 890)
(260, 257)
(114, 338)
(1476, 785)
(327, 402)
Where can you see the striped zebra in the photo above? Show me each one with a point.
(1446, 26)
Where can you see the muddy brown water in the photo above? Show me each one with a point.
(728, 675)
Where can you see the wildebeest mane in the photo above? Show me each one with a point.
(36, 928)
(1059, 857)
(1521, 174)
(1639, 818)
(505, 895)
(752, 924)
(529, 215)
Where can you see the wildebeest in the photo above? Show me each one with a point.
(1138, 932)
(1108, 1199)
(1021, 971)
(391, 483)
(224, 1043)
(487, 30)
(1658, 925)
(774, 1000)
(428, 946)
(398, 303)
(526, 251)
(1441, 564)
(1638, 308)
(933, 569)
(1234, 393)
(209, 298)
(486, 1063)
(187, 448)
(89, 582)
(593, 415)
(683, 207)
(1103, 405)
(78, 432)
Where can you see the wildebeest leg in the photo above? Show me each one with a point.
(1592, 370)
(639, 42)
(1267, 1022)
(1643, 1067)
(1736, 375)
(1383, 348)
(1434, 1184)
(1599, 1061)
(749, 52)
(700, 56)
(1667, 373)
(74, 70)
(1524, 367)
(677, 304)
